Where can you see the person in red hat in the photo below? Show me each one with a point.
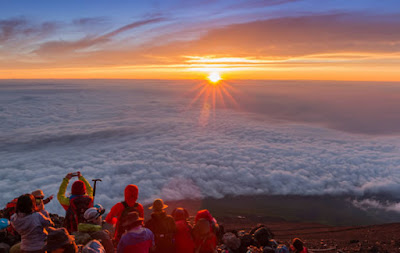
(119, 211)
(80, 200)
(205, 232)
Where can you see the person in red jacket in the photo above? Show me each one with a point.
(183, 238)
(205, 232)
(120, 210)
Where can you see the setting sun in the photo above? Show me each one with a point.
(214, 77)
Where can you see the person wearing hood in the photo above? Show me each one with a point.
(31, 225)
(205, 232)
(119, 211)
(80, 200)
(80, 187)
(93, 227)
(163, 227)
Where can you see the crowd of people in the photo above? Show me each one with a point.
(27, 227)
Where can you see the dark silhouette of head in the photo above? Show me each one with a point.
(26, 204)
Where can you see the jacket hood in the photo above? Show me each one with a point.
(78, 188)
(131, 194)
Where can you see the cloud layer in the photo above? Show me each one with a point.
(143, 132)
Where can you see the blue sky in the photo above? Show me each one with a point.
(125, 10)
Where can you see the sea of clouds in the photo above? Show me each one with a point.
(149, 133)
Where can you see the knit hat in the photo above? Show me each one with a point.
(93, 213)
(158, 205)
(57, 238)
(131, 218)
(38, 194)
(78, 188)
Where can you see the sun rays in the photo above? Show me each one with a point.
(213, 94)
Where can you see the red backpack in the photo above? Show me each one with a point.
(77, 207)
(9, 210)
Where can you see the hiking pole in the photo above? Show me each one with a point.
(94, 186)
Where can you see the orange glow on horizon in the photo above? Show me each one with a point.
(344, 66)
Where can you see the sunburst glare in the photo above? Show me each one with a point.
(210, 96)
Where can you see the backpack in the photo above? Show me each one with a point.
(119, 230)
(9, 210)
(164, 228)
(76, 209)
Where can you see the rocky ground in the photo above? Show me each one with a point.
(373, 238)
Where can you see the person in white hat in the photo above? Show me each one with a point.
(93, 227)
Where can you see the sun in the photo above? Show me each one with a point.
(214, 77)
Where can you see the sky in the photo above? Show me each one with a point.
(354, 40)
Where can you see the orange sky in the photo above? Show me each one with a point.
(310, 47)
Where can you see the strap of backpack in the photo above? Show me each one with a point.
(125, 204)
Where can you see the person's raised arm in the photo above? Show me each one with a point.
(47, 200)
(64, 201)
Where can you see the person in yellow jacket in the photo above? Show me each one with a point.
(80, 200)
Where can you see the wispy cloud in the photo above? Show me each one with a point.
(297, 36)
(56, 48)
(90, 21)
(19, 29)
